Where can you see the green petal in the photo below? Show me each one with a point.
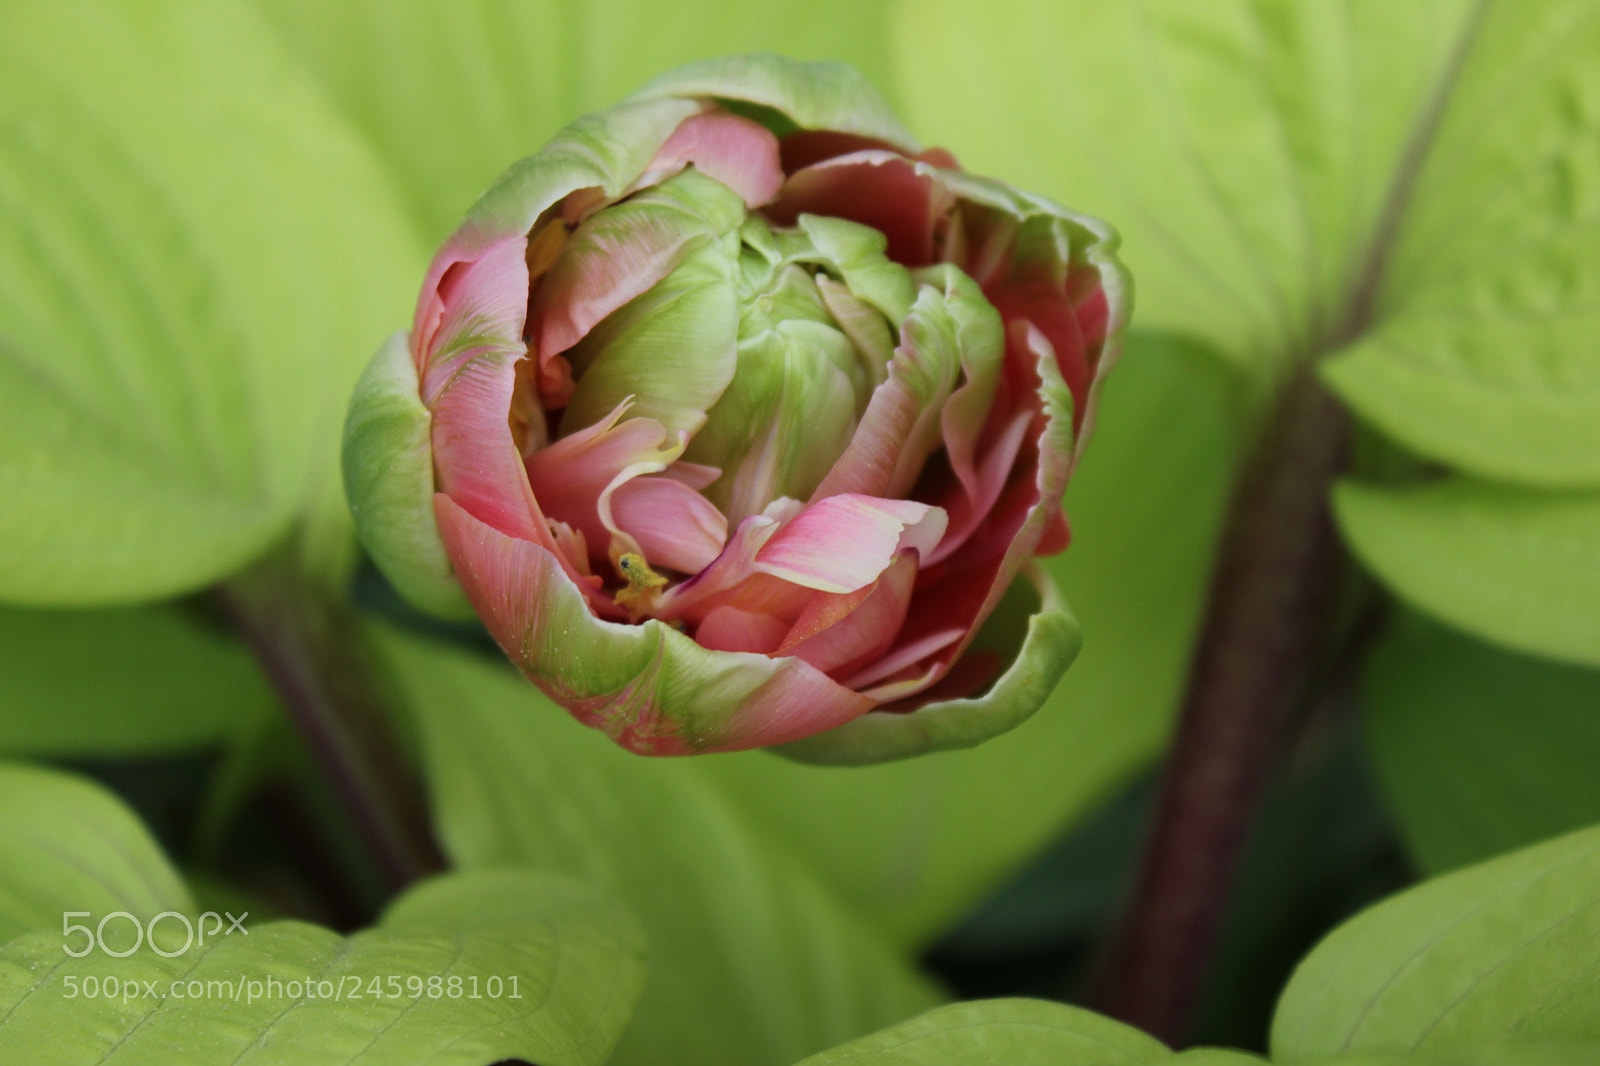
(388, 477)
(815, 96)
(788, 414)
(1049, 645)
(608, 151)
(672, 349)
(858, 253)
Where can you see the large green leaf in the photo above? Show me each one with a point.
(1513, 566)
(465, 971)
(68, 845)
(918, 843)
(1480, 750)
(1407, 189)
(128, 681)
(196, 257)
(452, 95)
(1410, 184)
(1506, 951)
(755, 960)
(1017, 1032)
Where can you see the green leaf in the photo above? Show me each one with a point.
(555, 974)
(195, 259)
(1506, 951)
(1018, 1032)
(1411, 184)
(1482, 1055)
(487, 81)
(1480, 750)
(1513, 566)
(122, 682)
(757, 961)
(919, 843)
(69, 845)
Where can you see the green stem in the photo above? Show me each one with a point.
(314, 653)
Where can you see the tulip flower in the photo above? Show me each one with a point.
(735, 415)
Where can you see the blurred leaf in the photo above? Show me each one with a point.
(1411, 184)
(1017, 1032)
(757, 961)
(919, 843)
(1480, 750)
(122, 682)
(1506, 951)
(69, 845)
(453, 94)
(1513, 566)
(196, 258)
(576, 964)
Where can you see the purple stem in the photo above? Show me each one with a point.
(313, 652)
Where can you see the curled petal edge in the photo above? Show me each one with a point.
(1049, 647)
(816, 96)
(649, 687)
(387, 459)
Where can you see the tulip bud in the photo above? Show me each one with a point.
(735, 416)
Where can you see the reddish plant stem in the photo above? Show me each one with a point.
(1268, 605)
(313, 652)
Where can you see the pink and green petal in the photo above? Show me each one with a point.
(899, 197)
(843, 543)
(623, 252)
(731, 569)
(1051, 642)
(739, 153)
(674, 349)
(648, 686)
(813, 96)
(902, 424)
(606, 151)
(839, 633)
(388, 478)
(478, 309)
(787, 415)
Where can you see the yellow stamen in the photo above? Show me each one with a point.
(644, 584)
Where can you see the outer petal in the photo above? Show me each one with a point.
(1048, 648)
(814, 96)
(652, 689)
(388, 478)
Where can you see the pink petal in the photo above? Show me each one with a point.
(907, 657)
(809, 147)
(876, 461)
(844, 542)
(900, 197)
(730, 570)
(738, 152)
(970, 505)
(841, 632)
(475, 460)
(674, 526)
(575, 477)
(471, 304)
(733, 629)
(974, 578)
